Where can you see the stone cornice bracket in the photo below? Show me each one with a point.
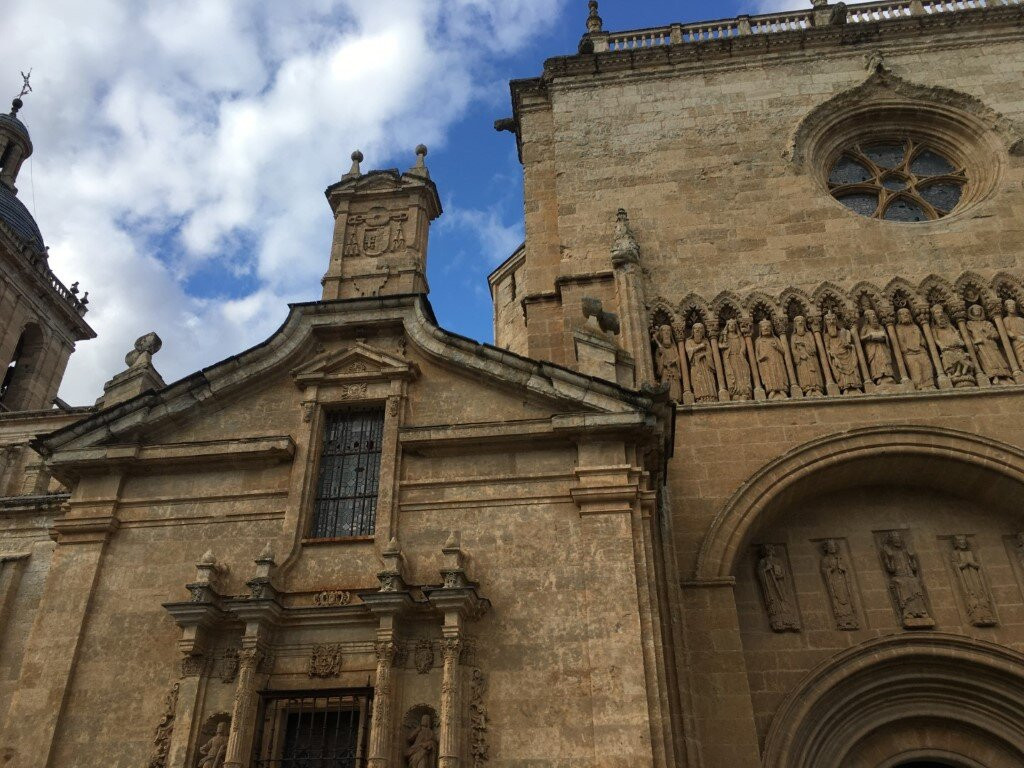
(203, 610)
(84, 530)
(393, 596)
(457, 593)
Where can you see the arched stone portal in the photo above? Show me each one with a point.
(909, 700)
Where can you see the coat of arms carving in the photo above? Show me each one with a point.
(377, 232)
(325, 661)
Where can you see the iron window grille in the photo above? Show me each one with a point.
(324, 729)
(349, 480)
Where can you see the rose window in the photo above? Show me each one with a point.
(897, 181)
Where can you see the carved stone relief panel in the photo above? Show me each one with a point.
(905, 580)
(775, 579)
(971, 582)
(228, 666)
(424, 656)
(478, 747)
(325, 661)
(164, 730)
(332, 598)
(840, 583)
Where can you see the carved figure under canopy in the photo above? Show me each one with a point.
(771, 362)
(777, 591)
(702, 366)
(956, 363)
(876, 350)
(734, 361)
(838, 580)
(842, 355)
(1014, 325)
(915, 353)
(666, 361)
(214, 751)
(972, 583)
(985, 338)
(805, 359)
(905, 582)
(422, 751)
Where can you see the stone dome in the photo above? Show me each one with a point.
(14, 214)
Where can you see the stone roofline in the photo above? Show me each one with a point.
(707, 43)
(33, 262)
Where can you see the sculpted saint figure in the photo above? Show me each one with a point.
(952, 350)
(1014, 325)
(666, 361)
(905, 582)
(805, 359)
(876, 349)
(841, 354)
(734, 361)
(422, 751)
(778, 596)
(214, 751)
(985, 338)
(771, 362)
(840, 591)
(915, 354)
(702, 367)
(972, 582)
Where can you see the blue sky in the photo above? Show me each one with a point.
(182, 149)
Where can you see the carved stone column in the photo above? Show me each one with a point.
(794, 386)
(451, 721)
(831, 388)
(960, 317)
(243, 710)
(889, 321)
(716, 355)
(381, 720)
(684, 366)
(748, 332)
(865, 371)
(924, 320)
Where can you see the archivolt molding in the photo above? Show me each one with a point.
(885, 89)
(733, 525)
(934, 677)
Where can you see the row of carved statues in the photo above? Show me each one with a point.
(763, 350)
(902, 571)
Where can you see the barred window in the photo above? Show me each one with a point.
(346, 497)
(313, 730)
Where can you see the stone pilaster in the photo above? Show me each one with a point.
(451, 698)
(382, 717)
(244, 708)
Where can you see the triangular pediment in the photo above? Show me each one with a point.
(359, 362)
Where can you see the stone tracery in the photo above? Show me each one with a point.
(937, 335)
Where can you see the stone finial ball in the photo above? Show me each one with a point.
(357, 156)
(421, 150)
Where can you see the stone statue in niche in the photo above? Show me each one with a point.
(422, 750)
(214, 751)
(1014, 325)
(805, 359)
(839, 583)
(915, 353)
(734, 361)
(876, 350)
(956, 363)
(771, 362)
(972, 584)
(842, 355)
(905, 583)
(985, 338)
(777, 591)
(702, 366)
(666, 361)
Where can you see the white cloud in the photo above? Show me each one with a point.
(497, 239)
(172, 138)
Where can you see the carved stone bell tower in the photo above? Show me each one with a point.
(382, 221)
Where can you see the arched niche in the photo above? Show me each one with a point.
(20, 378)
(902, 701)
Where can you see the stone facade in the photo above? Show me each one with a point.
(739, 486)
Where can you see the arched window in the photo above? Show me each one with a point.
(16, 388)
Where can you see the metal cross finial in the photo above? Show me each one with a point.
(26, 86)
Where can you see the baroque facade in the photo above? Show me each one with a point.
(738, 485)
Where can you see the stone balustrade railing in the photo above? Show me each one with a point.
(676, 34)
